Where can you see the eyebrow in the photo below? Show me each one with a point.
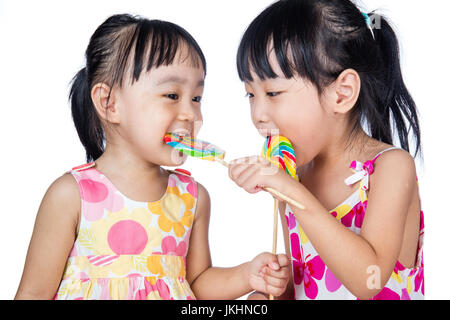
(179, 80)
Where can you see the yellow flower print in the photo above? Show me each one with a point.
(397, 277)
(70, 288)
(166, 266)
(303, 238)
(408, 284)
(174, 211)
(341, 211)
(182, 269)
(155, 266)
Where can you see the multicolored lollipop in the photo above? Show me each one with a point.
(194, 147)
(207, 151)
(279, 151)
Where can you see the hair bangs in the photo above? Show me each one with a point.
(156, 43)
(269, 34)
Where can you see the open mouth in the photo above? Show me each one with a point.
(181, 133)
(268, 132)
(176, 137)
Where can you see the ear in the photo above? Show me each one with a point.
(104, 102)
(346, 90)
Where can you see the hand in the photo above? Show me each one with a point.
(256, 173)
(269, 273)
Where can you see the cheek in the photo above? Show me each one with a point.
(306, 126)
(303, 116)
(144, 126)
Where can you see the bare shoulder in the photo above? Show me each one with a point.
(395, 162)
(64, 190)
(61, 200)
(52, 239)
(395, 168)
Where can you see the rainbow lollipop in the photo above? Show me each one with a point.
(279, 151)
(207, 151)
(194, 148)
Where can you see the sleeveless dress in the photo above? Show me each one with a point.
(126, 249)
(312, 278)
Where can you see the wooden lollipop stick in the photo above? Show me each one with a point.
(275, 226)
(275, 231)
(271, 190)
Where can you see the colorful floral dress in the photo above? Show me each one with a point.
(312, 278)
(126, 249)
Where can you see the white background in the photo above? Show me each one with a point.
(42, 47)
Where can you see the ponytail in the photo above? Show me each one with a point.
(85, 117)
(120, 43)
(396, 97)
(322, 38)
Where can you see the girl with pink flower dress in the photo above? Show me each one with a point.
(328, 77)
(120, 226)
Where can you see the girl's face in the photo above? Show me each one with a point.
(165, 99)
(291, 108)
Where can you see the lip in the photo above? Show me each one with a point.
(182, 132)
(268, 132)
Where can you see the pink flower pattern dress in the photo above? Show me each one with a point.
(129, 250)
(312, 278)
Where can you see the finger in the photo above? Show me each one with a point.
(282, 273)
(243, 160)
(235, 170)
(264, 161)
(265, 260)
(283, 260)
(249, 179)
(257, 296)
(275, 291)
(238, 165)
(275, 282)
(270, 260)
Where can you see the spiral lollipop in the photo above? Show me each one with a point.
(279, 151)
(207, 151)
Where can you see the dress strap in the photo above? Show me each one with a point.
(379, 154)
(362, 171)
(83, 166)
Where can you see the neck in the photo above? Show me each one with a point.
(119, 158)
(339, 150)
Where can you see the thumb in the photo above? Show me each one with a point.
(272, 261)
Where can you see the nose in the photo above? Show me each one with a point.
(190, 115)
(260, 115)
(189, 112)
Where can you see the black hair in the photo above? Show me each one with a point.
(123, 45)
(319, 39)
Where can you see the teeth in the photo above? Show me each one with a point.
(182, 133)
(268, 132)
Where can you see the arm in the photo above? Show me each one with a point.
(379, 243)
(209, 282)
(51, 242)
(378, 246)
(289, 292)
